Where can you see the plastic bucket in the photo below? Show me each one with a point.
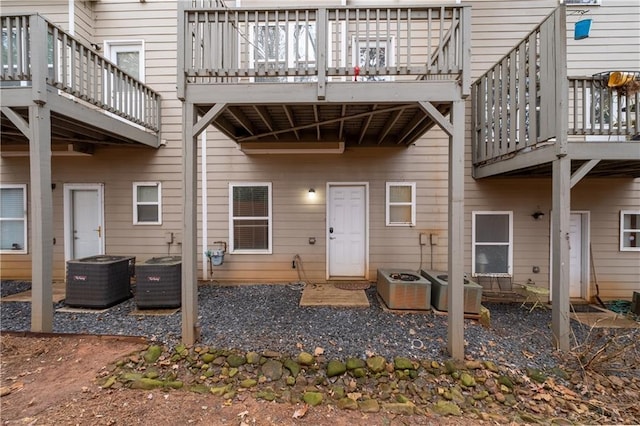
(581, 29)
(218, 257)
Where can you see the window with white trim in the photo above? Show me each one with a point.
(121, 93)
(250, 217)
(128, 55)
(282, 46)
(147, 203)
(13, 218)
(401, 204)
(373, 53)
(630, 230)
(492, 247)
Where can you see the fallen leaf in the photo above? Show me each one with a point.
(412, 332)
(528, 355)
(300, 412)
(243, 414)
(299, 345)
(318, 351)
(543, 396)
(354, 395)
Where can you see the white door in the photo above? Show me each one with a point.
(575, 255)
(84, 226)
(578, 255)
(347, 236)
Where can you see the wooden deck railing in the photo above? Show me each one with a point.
(596, 109)
(516, 103)
(229, 45)
(32, 49)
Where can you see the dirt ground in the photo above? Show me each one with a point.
(51, 380)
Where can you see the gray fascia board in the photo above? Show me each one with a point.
(16, 96)
(336, 92)
(100, 120)
(629, 150)
(520, 161)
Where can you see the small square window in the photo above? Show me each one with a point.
(630, 230)
(147, 203)
(13, 218)
(401, 204)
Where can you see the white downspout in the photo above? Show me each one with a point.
(205, 236)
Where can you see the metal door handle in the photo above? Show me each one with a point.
(99, 231)
(332, 238)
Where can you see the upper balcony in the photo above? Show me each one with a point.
(527, 112)
(360, 76)
(92, 101)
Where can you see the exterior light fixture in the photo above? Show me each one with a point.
(312, 194)
(536, 215)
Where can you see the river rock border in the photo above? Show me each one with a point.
(474, 389)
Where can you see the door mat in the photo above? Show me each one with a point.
(352, 285)
(329, 295)
(58, 289)
(154, 312)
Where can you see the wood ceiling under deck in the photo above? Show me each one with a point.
(355, 124)
(64, 130)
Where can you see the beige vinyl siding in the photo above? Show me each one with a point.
(296, 219)
(613, 43)
(497, 27)
(56, 11)
(84, 20)
(617, 272)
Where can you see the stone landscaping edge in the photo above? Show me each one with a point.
(473, 389)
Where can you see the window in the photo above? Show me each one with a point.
(13, 218)
(283, 46)
(128, 56)
(250, 217)
(630, 230)
(492, 249)
(120, 92)
(147, 204)
(401, 204)
(372, 54)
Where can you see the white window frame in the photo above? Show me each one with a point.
(232, 248)
(624, 230)
(388, 42)
(125, 104)
(411, 203)
(289, 60)
(113, 47)
(22, 186)
(137, 203)
(474, 244)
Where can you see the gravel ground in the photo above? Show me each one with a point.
(268, 317)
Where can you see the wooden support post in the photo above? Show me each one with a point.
(41, 218)
(321, 56)
(561, 206)
(189, 229)
(455, 289)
